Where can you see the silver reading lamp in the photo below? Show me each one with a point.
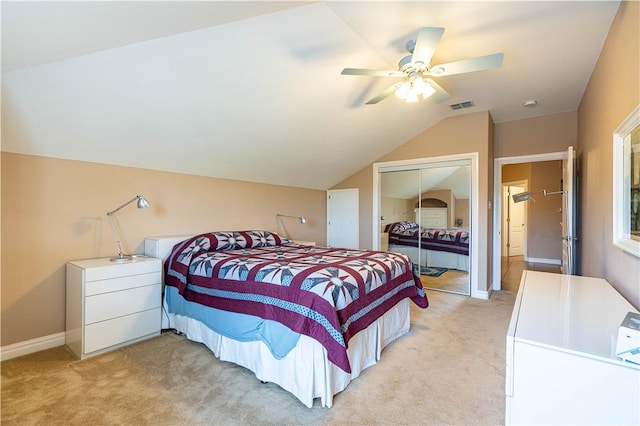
(302, 220)
(142, 204)
(524, 196)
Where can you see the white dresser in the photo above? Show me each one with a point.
(560, 354)
(111, 304)
(432, 217)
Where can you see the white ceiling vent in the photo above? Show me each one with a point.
(462, 105)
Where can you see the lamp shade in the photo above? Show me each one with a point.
(425, 88)
(142, 202)
(403, 91)
(524, 196)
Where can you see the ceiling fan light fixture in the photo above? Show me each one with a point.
(410, 91)
(418, 84)
(426, 89)
(403, 91)
(412, 97)
(417, 66)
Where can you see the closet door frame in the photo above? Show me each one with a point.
(470, 159)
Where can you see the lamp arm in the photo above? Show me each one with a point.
(554, 193)
(124, 205)
(302, 219)
(286, 215)
(114, 230)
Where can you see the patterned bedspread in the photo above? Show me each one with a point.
(328, 294)
(455, 240)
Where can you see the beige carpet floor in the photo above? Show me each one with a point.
(448, 370)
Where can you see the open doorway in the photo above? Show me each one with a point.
(545, 216)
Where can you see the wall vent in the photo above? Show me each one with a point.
(461, 105)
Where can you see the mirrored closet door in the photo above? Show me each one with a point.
(425, 214)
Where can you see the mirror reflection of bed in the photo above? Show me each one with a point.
(425, 214)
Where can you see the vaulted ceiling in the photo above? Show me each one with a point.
(253, 90)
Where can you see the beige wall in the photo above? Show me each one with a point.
(612, 93)
(54, 210)
(462, 212)
(538, 135)
(516, 172)
(395, 210)
(456, 135)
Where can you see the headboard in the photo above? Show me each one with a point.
(161, 247)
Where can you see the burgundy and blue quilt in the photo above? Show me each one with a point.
(329, 294)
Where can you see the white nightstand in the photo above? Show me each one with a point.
(111, 304)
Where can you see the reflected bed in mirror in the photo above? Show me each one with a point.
(441, 253)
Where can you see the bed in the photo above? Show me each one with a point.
(430, 247)
(307, 318)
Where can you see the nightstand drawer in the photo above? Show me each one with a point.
(119, 303)
(123, 283)
(120, 330)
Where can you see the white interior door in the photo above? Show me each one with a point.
(569, 214)
(342, 218)
(514, 220)
(516, 223)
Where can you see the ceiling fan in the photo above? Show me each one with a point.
(416, 69)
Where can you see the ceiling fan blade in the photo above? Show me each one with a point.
(426, 43)
(440, 95)
(480, 63)
(374, 73)
(387, 92)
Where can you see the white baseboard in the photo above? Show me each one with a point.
(31, 346)
(482, 294)
(546, 261)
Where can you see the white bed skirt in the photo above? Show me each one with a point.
(305, 371)
(433, 258)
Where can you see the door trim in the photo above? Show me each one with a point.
(497, 197)
(445, 160)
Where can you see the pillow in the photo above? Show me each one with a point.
(400, 226)
(232, 240)
(225, 240)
